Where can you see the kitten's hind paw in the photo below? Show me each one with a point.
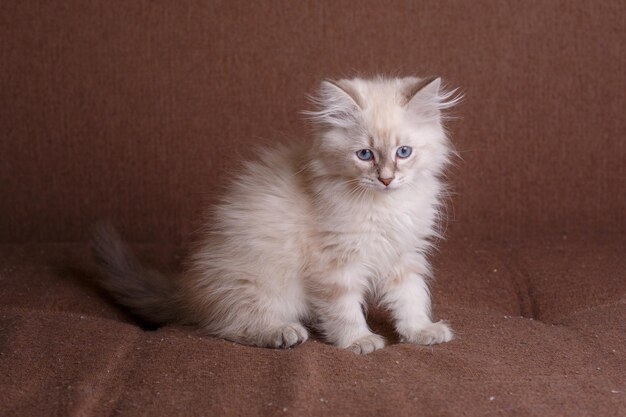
(288, 336)
(431, 334)
(367, 344)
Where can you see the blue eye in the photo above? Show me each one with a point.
(365, 155)
(404, 151)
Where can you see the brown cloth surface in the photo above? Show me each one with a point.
(136, 111)
(535, 336)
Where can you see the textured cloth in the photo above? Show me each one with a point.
(137, 112)
(535, 336)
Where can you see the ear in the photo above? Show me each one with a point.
(422, 97)
(344, 91)
(338, 105)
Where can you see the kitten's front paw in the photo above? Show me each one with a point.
(367, 344)
(431, 334)
(288, 336)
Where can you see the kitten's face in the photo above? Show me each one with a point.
(381, 134)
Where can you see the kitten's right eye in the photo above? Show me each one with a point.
(365, 155)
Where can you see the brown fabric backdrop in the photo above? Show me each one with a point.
(134, 110)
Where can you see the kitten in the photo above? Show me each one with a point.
(310, 230)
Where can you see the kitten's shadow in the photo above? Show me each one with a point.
(381, 323)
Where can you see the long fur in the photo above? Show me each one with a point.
(148, 293)
(309, 231)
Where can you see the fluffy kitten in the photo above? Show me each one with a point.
(310, 230)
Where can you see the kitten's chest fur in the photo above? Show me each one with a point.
(375, 235)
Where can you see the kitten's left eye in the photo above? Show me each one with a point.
(404, 151)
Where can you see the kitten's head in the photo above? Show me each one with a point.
(381, 133)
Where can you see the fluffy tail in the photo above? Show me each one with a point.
(148, 294)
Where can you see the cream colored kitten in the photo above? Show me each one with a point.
(309, 231)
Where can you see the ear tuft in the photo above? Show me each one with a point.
(337, 105)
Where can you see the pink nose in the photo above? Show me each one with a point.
(385, 181)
